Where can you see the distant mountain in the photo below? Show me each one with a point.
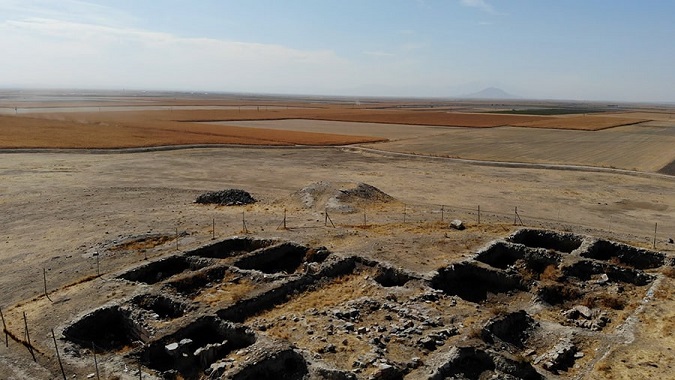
(490, 93)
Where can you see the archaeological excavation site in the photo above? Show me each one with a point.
(531, 304)
(202, 237)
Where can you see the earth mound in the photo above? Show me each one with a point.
(229, 197)
(343, 197)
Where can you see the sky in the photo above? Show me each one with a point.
(606, 50)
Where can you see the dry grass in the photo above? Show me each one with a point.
(550, 273)
(225, 292)
(604, 301)
(669, 272)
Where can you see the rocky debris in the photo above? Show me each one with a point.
(457, 224)
(351, 314)
(560, 357)
(475, 363)
(385, 371)
(330, 374)
(345, 197)
(229, 197)
(582, 316)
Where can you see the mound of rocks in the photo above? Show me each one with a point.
(229, 197)
(343, 197)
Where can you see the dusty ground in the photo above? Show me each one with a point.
(58, 209)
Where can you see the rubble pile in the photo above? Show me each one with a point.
(230, 197)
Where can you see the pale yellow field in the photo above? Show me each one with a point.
(386, 131)
(644, 147)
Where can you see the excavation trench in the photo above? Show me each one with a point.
(194, 348)
(474, 363)
(193, 284)
(164, 307)
(160, 270)
(586, 269)
(231, 247)
(389, 277)
(284, 257)
(503, 255)
(256, 304)
(561, 242)
(109, 329)
(473, 283)
(624, 254)
(287, 364)
(514, 328)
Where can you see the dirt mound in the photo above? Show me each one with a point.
(668, 169)
(343, 197)
(230, 197)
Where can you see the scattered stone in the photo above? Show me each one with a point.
(457, 224)
(386, 372)
(560, 357)
(427, 343)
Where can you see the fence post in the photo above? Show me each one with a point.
(328, 219)
(516, 218)
(30, 345)
(405, 211)
(243, 221)
(4, 328)
(93, 349)
(98, 267)
(442, 213)
(58, 356)
(213, 229)
(44, 281)
(656, 224)
(478, 214)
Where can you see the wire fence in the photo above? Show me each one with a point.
(647, 233)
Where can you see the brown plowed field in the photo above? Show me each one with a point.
(180, 127)
(583, 123)
(109, 132)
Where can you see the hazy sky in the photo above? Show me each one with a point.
(571, 49)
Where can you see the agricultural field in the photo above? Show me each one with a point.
(645, 147)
